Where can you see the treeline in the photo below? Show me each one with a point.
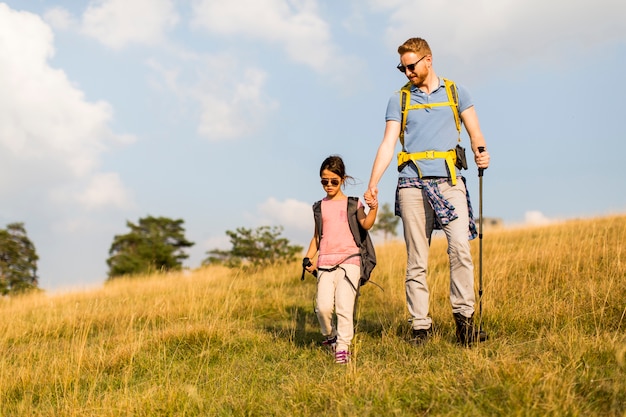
(158, 244)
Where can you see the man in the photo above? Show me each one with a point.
(426, 116)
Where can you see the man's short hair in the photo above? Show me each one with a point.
(416, 45)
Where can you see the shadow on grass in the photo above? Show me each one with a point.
(303, 328)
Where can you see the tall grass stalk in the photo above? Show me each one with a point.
(246, 343)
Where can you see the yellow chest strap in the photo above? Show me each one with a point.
(406, 106)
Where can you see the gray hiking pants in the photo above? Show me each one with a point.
(418, 220)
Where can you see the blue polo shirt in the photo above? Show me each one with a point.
(428, 129)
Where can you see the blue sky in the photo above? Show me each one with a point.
(220, 113)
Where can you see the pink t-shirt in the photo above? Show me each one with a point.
(337, 242)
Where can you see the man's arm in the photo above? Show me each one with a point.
(383, 157)
(472, 126)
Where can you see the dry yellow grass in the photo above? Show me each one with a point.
(234, 342)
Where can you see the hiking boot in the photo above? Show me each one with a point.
(420, 336)
(466, 333)
(342, 357)
(330, 343)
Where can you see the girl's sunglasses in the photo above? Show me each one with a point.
(334, 182)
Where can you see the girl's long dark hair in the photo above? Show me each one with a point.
(335, 164)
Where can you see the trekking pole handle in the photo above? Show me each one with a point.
(481, 149)
(305, 262)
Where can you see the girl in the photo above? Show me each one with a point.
(339, 270)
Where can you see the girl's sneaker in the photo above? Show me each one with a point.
(342, 357)
(330, 342)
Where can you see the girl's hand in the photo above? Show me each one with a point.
(309, 265)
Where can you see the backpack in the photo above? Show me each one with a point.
(454, 157)
(360, 235)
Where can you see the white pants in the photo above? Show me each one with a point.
(336, 291)
(417, 220)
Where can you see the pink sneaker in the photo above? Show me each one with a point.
(342, 357)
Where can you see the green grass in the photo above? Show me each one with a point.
(221, 342)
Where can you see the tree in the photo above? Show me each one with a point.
(387, 222)
(258, 247)
(155, 244)
(18, 260)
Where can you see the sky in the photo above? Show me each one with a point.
(220, 113)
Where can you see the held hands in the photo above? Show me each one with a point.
(371, 199)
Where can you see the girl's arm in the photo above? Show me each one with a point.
(367, 221)
(310, 253)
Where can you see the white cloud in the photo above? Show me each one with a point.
(296, 26)
(59, 18)
(43, 117)
(506, 33)
(106, 190)
(536, 218)
(223, 99)
(290, 213)
(296, 218)
(51, 137)
(222, 114)
(117, 23)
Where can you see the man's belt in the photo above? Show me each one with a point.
(450, 157)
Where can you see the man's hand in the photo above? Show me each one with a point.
(371, 197)
(482, 158)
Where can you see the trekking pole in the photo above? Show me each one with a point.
(307, 262)
(480, 243)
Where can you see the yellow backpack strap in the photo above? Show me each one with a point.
(405, 101)
(453, 102)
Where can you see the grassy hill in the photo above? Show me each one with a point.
(221, 342)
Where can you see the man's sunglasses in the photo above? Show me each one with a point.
(334, 182)
(410, 67)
